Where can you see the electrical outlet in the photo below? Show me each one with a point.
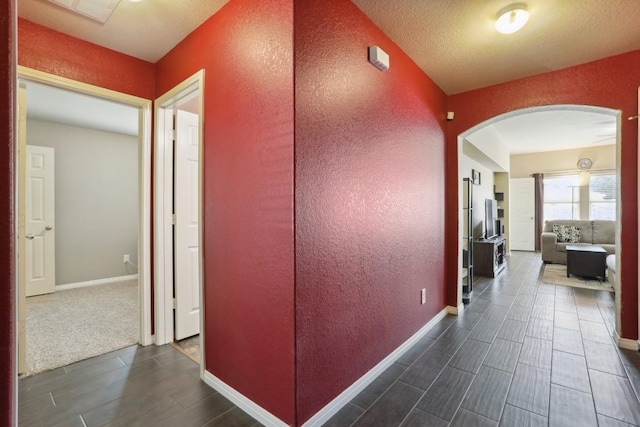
(126, 259)
(423, 296)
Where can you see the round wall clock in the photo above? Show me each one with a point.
(584, 163)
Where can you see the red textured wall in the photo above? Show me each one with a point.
(369, 200)
(8, 11)
(246, 51)
(56, 53)
(612, 83)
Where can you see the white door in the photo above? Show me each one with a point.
(39, 221)
(186, 250)
(522, 214)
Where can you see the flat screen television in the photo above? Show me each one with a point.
(490, 224)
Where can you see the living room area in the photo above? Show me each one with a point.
(546, 183)
(543, 181)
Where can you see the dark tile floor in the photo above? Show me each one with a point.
(135, 386)
(523, 353)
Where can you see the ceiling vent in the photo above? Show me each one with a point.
(100, 10)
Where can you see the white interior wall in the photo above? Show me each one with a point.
(96, 188)
(489, 142)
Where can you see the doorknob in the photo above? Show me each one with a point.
(30, 236)
(48, 228)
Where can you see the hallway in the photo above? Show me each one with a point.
(522, 353)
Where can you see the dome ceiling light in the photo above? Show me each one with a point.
(512, 18)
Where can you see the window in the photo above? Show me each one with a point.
(562, 197)
(602, 196)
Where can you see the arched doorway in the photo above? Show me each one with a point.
(494, 151)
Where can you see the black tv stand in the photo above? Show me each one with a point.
(490, 256)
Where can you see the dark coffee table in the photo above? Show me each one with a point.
(586, 261)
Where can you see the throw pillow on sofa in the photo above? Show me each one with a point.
(567, 233)
(573, 234)
(558, 230)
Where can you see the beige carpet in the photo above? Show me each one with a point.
(556, 274)
(72, 325)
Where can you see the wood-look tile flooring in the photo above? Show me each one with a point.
(135, 386)
(523, 353)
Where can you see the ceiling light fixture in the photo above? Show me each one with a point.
(135, 1)
(512, 18)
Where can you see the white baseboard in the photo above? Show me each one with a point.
(322, 416)
(243, 402)
(455, 310)
(96, 282)
(626, 342)
(346, 396)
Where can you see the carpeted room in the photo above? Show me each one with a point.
(81, 212)
(104, 319)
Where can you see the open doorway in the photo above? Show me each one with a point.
(81, 221)
(178, 218)
(595, 135)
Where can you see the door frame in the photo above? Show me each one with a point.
(163, 212)
(144, 179)
(20, 215)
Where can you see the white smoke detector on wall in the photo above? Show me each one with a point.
(378, 58)
(585, 164)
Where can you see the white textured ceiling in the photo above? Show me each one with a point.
(560, 129)
(71, 108)
(146, 30)
(455, 43)
(556, 130)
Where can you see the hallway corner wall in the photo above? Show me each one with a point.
(246, 51)
(370, 171)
